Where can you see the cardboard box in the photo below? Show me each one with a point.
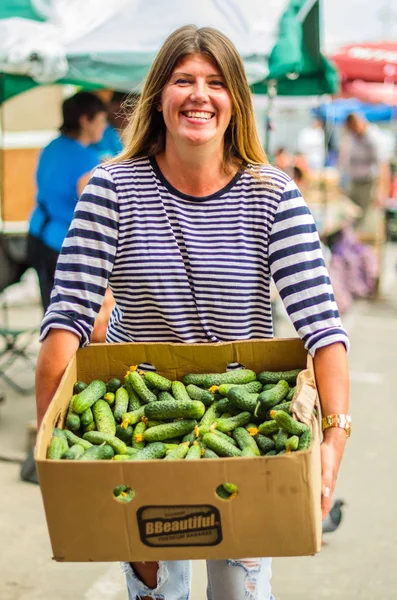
(176, 513)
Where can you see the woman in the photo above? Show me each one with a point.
(188, 226)
(63, 171)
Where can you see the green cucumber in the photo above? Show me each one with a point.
(207, 452)
(151, 451)
(285, 406)
(246, 442)
(61, 433)
(292, 443)
(179, 392)
(104, 452)
(265, 444)
(103, 417)
(175, 409)
(190, 437)
(85, 399)
(268, 427)
(271, 453)
(275, 376)
(134, 400)
(125, 434)
(253, 387)
(197, 393)
(194, 452)
(164, 396)
(113, 385)
(78, 387)
(56, 448)
(291, 393)
(231, 488)
(225, 436)
(131, 451)
(282, 437)
(139, 386)
(220, 446)
(268, 386)
(223, 493)
(133, 417)
(305, 440)
(207, 380)
(73, 439)
(110, 397)
(157, 381)
(227, 425)
(210, 415)
(270, 398)
(252, 429)
(72, 418)
(90, 427)
(137, 437)
(74, 452)
(285, 421)
(121, 404)
(97, 438)
(243, 400)
(128, 456)
(179, 452)
(87, 417)
(169, 430)
(224, 405)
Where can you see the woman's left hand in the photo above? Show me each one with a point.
(332, 449)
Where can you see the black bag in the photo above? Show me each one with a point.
(13, 259)
(28, 469)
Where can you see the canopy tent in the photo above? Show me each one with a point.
(336, 112)
(369, 71)
(113, 46)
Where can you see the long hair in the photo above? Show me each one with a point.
(145, 132)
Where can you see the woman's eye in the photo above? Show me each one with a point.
(217, 83)
(182, 81)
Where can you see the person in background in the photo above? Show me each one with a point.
(311, 143)
(111, 143)
(64, 168)
(283, 160)
(362, 160)
(188, 225)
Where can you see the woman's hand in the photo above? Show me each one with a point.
(332, 449)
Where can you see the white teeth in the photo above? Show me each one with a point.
(198, 115)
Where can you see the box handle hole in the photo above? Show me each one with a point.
(227, 491)
(123, 494)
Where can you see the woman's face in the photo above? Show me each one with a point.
(196, 104)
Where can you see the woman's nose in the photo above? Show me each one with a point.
(199, 93)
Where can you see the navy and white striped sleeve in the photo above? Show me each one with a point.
(86, 260)
(300, 274)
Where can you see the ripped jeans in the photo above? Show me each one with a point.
(244, 579)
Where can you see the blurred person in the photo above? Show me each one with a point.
(119, 107)
(64, 168)
(193, 162)
(283, 160)
(311, 144)
(362, 159)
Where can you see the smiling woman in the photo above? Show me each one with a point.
(188, 226)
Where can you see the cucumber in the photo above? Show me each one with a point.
(121, 404)
(291, 393)
(305, 440)
(265, 444)
(270, 398)
(253, 387)
(125, 434)
(103, 416)
(247, 444)
(197, 393)
(134, 400)
(164, 396)
(207, 452)
(74, 452)
(152, 423)
(104, 452)
(190, 437)
(97, 438)
(175, 409)
(72, 418)
(137, 437)
(139, 386)
(61, 433)
(194, 452)
(281, 439)
(113, 385)
(128, 456)
(89, 427)
(271, 453)
(285, 421)
(131, 451)
(133, 417)
(243, 400)
(179, 452)
(85, 399)
(231, 488)
(207, 380)
(275, 376)
(179, 392)
(292, 443)
(73, 439)
(226, 425)
(220, 446)
(151, 451)
(268, 427)
(78, 387)
(56, 448)
(208, 419)
(223, 493)
(268, 386)
(224, 405)
(225, 436)
(169, 430)
(110, 397)
(252, 429)
(285, 406)
(157, 381)
(87, 417)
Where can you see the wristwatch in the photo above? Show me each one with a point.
(342, 421)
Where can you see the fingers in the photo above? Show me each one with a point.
(326, 498)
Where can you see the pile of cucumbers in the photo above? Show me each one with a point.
(212, 415)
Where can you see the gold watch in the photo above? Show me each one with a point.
(342, 421)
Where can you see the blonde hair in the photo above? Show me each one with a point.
(145, 132)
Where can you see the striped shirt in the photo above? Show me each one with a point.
(192, 269)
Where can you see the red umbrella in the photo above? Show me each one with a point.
(373, 93)
(376, 62)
